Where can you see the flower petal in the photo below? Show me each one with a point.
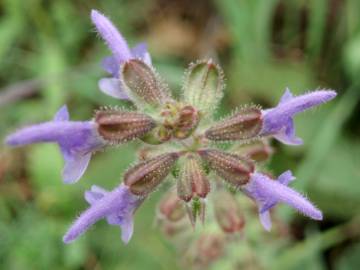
(278, 121)
(265, 220)
(62, 114)
(287, 134)
(287, 96)
(140, 51)
(267, 193)
(75, 167)
(113, 88)
(76, 140)
(303, 102)
(286, 178)
(127, 229)
(44, 132)
(115, 41)
(119, 203)
(110, 65)
(94, 194)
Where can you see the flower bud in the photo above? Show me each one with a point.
(147, 175)
(171, 207)
(187, 121)
(210, 247)
(173, 229)
(158, 135)
(121, 126)
(259, 150)
(233, 168)
(192, 180)
(245, 124)
(203, 86)
(143, 84)
(227, 212)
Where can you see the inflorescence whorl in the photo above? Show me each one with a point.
(182, 139)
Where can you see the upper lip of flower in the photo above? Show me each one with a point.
(267, 193)
(77, 141)
(120, 54)
(117, 206)
(278, 121)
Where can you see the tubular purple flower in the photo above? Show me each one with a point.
(117, 206)
(268, 192)
(120, 54)
(278, 121)
(77, 141)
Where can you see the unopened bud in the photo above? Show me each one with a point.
(187, 121)
(245, 124)
(171, 207)
(143, 84)
(192, 180)
(233, 168)
(121, 126)
(227, 212)
(203, 86)
(210, 247)
(259, 150)
(147, 175)
(158, 135)
(173, 229)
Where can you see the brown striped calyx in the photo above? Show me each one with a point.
(245, 124)
(192, 180)
(143, 84)
(121, 126)
(235, 169)
(227, 212)
(144, 177)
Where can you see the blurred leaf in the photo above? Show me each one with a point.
(327, 135)
(11, 25)
(249, 23)
(75, 254)
(350, 259)
(301, 255)
(317, 22)
(336, 188)
(351, 56)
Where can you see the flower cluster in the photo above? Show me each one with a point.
(181, 140)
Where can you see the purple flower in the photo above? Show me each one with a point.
(268, 192)
(278, 121)
(117, 206)
(77, 141)
(120, 54)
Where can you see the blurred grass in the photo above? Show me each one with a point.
(263, 46)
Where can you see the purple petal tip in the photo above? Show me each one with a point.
(317, 215)
(326, 95)
(115, 41)
(9, 140)
(95, 14)
(68, 238)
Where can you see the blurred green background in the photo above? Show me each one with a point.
(50, 55)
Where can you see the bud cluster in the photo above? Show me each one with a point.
(182, 139)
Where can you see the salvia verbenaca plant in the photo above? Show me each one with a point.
(181, 140)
